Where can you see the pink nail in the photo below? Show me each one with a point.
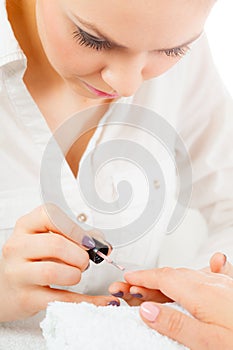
(149, 311)
(127, 273)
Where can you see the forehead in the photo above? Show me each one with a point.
(161, 23)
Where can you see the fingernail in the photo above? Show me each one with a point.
(225, 259)
(118, 294)
(149, 311)
(137, 295)
(128, 272)
(88, 242)
(114, 303)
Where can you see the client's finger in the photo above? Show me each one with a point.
(145, 294)
(119, 289)
(219, 264)
(194, 290)
(182, 328)
(169, 281)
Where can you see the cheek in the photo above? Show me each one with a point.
(158, 65)
(64, 53)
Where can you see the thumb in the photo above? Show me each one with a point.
(176, 325)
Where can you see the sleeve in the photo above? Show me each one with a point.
(206, 125)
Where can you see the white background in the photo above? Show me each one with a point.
(181, 246)
(219, 29)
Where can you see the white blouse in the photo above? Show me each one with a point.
(192, 103)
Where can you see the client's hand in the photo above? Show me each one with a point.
(219, 264)
(134, 295)
(207, 296)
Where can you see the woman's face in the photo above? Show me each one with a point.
(112, 46)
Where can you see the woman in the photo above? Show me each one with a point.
(62, 57)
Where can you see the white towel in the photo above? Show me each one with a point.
(70, 326)
(22, 335)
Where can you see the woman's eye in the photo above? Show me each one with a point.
(88, 40)
(177, 52)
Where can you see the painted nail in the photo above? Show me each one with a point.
(88, 242)
(118, 294)
(114, 303)
(149, 311)
(137, 295)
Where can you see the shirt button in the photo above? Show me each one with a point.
(82, 217)
(156, 184)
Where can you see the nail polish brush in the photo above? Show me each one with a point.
(100, 252)
(110, 261)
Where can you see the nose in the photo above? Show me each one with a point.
(124, 73)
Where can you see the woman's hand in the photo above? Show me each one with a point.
(219, 264)
(36, 256)
(135, 295)
(207, 296)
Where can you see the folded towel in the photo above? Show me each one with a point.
(70, 326)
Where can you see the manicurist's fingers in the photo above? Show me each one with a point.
(54, 246)
(50, 217)
(99, 300)
(149, 294)
(135, 295)
(37, 299)
(184, 329)
(44, 273)
(122, 290)
(119, 289)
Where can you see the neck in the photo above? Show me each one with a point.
(22, 16)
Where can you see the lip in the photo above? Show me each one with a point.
(99, 92)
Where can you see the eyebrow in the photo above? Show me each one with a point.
(114, 43)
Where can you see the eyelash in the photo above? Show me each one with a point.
(85, 39)
(176, 52)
